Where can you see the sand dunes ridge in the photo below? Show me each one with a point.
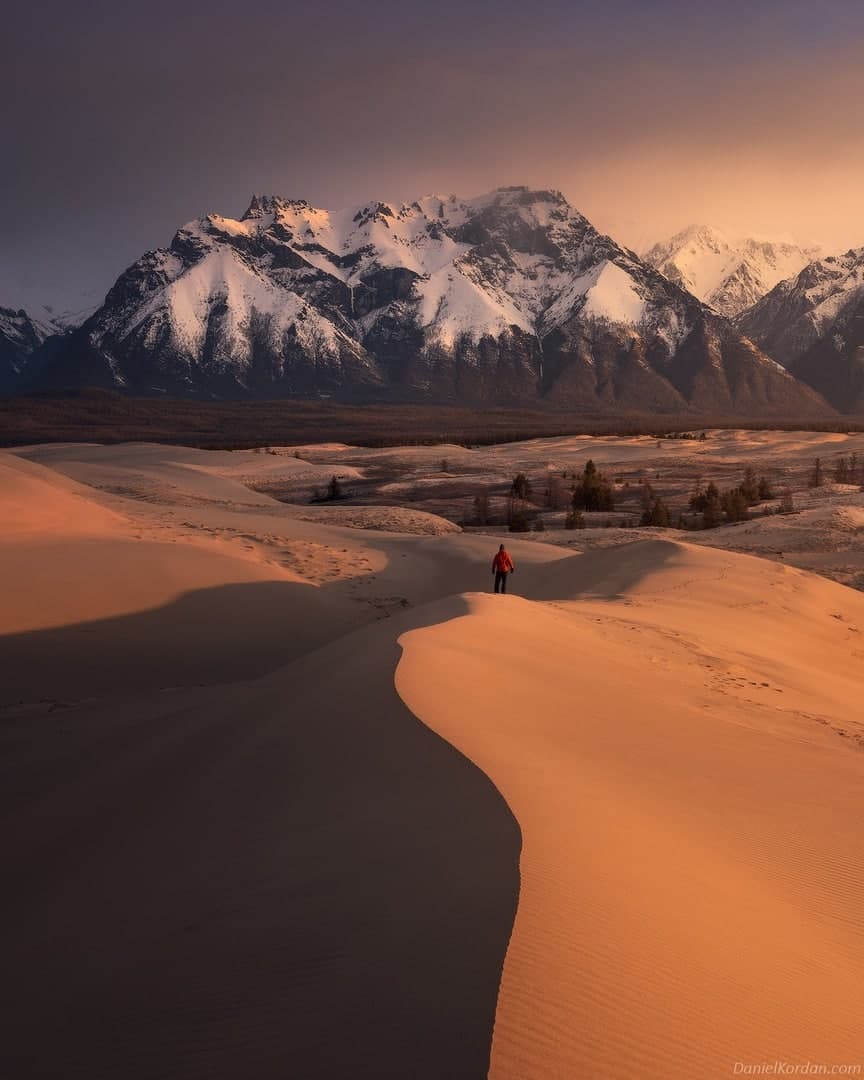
(244, 837)
(691, 884)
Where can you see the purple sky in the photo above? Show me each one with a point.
(120, 124)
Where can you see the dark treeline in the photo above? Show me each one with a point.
(104, 416)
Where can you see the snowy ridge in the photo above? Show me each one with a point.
(813, 323)
(729, 273)
(22, 329)
(457, 294)
(20, 336)
(508, 297)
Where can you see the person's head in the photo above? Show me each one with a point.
(501, 548)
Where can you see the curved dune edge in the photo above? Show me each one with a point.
(692, 860)
(283, 877)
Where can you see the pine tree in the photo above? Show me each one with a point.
(750, 486)
(481, 508)
(734, 505)
(816, 477)
(712, 510)
(702, 499)
(647, 495)
(593, 491)
(657, 516)
(520, 487)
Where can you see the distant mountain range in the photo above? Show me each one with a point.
(813, 324)
(728, 273)
(509, 298)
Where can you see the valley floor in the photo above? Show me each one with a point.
(286, 792)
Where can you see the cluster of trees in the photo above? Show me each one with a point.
(848, 470)
(717, 507)
(591, 491)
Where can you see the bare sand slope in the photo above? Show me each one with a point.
(679, 749)
(92, 605)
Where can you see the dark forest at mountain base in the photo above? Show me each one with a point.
(108, 417)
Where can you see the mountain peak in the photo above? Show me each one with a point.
(269, 204)
(813, 323)
(523, 195)
(727, 272)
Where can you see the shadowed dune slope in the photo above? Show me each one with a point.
(206, 877)
(679, 749)
(290, 877)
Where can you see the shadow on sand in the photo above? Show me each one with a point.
(290, 877)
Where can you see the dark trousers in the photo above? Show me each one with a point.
(501, 581)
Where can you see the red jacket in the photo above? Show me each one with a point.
(502, 563)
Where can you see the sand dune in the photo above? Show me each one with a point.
(37, 501)
(213, 873)
(290, 877)
(235, 844)
(691, 877)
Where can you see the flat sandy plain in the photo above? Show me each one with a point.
(287, 793)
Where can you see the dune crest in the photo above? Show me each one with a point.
(679, 750)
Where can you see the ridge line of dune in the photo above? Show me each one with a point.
(691, 862)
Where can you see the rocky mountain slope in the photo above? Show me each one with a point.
(20, 337)
(814, 324)
(729, 274)
(512, 297)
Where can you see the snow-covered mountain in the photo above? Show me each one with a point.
(727, 272)
(510, 297)
(62, 320)
(20, 337)
(813, 323)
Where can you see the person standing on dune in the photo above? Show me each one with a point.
(502, 565)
